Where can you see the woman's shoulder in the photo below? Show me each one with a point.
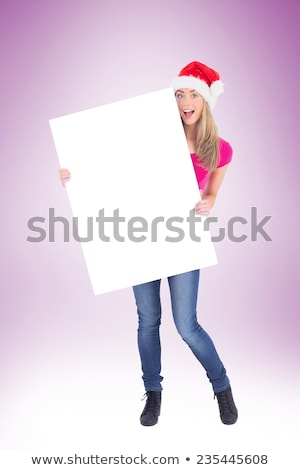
(225, 155)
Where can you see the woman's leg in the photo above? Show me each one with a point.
(147, 298)
(184, 292)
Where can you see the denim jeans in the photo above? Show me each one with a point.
(184, 292)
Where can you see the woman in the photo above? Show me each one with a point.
(196, 90)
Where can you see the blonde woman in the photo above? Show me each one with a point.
(196, 90)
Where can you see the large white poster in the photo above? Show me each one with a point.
(132, 191)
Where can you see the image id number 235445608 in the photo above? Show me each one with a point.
(214, 459)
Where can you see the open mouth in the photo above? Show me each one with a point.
(188, 113)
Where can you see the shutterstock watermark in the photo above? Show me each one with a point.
(138, 229)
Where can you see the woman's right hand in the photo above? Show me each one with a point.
(64, 175)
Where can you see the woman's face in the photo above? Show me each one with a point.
(190, 105)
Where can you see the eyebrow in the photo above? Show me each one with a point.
(181, 91)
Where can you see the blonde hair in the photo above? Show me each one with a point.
(207, 140)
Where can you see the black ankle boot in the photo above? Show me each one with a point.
(228, 411)
(151, 412)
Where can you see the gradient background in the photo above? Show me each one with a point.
(70, 373)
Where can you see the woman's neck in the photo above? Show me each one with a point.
(191, 134)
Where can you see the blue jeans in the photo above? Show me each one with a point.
(184, 292)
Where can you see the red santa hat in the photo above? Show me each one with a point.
(201, 78)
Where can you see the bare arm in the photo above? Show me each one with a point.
(210, 193)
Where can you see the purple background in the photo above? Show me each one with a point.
(59, 57)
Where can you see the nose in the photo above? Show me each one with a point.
(185, 100)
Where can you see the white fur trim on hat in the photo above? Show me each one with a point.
(209, 94)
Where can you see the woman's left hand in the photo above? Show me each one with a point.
(202, 207)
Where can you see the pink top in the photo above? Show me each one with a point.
(225, 157)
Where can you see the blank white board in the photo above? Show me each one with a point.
(130, 162)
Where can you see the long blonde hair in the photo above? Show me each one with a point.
(207, 140)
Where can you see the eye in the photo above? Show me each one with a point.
(194, 95)
(179, 95)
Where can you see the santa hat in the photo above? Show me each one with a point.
(201, 78)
